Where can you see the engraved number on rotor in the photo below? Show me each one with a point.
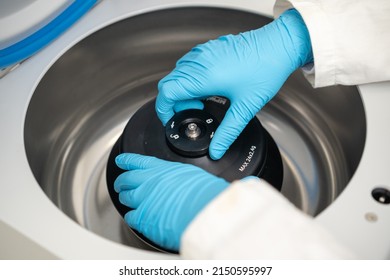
(174, 136)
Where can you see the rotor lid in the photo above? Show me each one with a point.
(144, 134)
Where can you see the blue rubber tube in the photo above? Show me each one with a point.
(33, 43)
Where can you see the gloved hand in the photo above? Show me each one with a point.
(248, 69)
(165, 196)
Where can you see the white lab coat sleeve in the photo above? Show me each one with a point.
(251, 220)
(350, 39)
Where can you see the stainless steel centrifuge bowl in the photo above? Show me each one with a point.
(81, 105)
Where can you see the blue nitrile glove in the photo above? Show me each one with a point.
(165, 196)
(248, 69)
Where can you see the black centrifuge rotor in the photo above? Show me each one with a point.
(186, 138)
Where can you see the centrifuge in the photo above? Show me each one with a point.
(67, 95)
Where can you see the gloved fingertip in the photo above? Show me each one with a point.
(164, 108)
(188, 104)
(216, 149)
(249, 178)
(120, 158)
(124, 197)
(216, 154)
(123, 160)
(130, 219)
(164, 116)
(117, 186)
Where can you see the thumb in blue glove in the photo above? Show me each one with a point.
(165, 196)
(248, 69)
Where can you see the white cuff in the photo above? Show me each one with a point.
(251, 220)
(322, 40)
